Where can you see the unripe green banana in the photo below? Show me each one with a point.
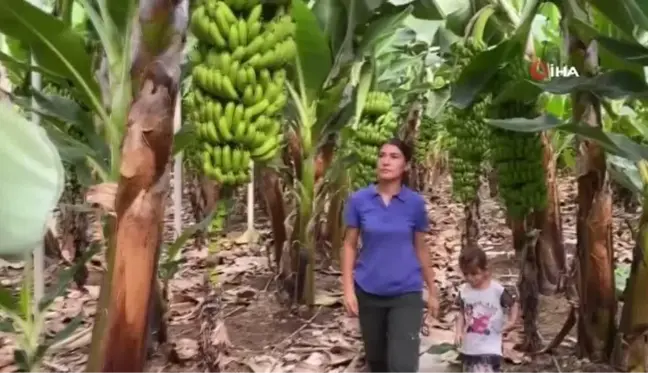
(238, 92)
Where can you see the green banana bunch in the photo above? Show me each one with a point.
(468, 148)
(376, 126)
(237, 93)
(469, 134)
(428, 132)
(518, 157)
(378, 103)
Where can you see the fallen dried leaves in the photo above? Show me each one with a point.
(326, 342)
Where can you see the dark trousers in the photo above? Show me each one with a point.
(481, 363)
(390, 329)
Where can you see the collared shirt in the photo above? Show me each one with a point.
(387, 263)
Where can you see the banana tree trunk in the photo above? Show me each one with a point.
(596, 322)
(334, 221)
(119, 340)
(470, 231)
(297, 273)
(551, 250)
(329, 232)
(270, 189)
(203, 193)
(528, 283)
(634, 316)
(410, 134)
(74, 228)
(537, 240)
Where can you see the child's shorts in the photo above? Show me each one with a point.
(481, 363)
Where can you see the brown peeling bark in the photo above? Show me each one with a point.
(270, 189)
(518, 231)
(203, 196)
(139, 204)
(119, 335)
(525, 244)
(596, 323)
(73, 228)
(470, 234)
(332, 232)
(214, 339)
(634, 317)
(292, 155)
(528, 286)
(409, 134)
(537, 240)
(324, 159)
(551, 249)
(334, 228)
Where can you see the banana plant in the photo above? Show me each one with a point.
(407, 47)
(94, 151)
(26, 323)
(331, 74)
(622, 48)
(34, 183)
(35, 177)
(64, 48)
(98, 84)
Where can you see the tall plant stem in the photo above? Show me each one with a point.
(634, 316)
(306, 225)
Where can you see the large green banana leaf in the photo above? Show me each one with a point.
(31, 183)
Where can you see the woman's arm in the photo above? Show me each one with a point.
(423, 254)
(350, 245)
(349, 252)
(421, 226)
(460, 323)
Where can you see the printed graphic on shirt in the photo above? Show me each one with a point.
(478, 317)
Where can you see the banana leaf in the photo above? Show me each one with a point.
(31, 184)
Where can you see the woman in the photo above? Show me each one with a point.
(384, 286)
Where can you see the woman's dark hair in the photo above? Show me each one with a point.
(472, 259)
(402, 146)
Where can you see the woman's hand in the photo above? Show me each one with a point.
(509, 326)
(458, 339)
(351, 302)
(433, 304)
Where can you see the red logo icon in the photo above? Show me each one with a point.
(539, 70)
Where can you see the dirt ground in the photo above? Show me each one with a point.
(261, 332)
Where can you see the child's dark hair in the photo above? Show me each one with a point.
(402, 146)
(473, 259)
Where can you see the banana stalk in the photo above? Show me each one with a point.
(335, 229)
(307, 223)
(635, 308)
(306, 188)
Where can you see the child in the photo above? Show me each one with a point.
(481, 321)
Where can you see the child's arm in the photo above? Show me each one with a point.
(509, 302)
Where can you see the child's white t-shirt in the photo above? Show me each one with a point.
(483, 311)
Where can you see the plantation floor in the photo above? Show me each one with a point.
(260, 332)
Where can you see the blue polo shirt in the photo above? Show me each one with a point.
(387, 263)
